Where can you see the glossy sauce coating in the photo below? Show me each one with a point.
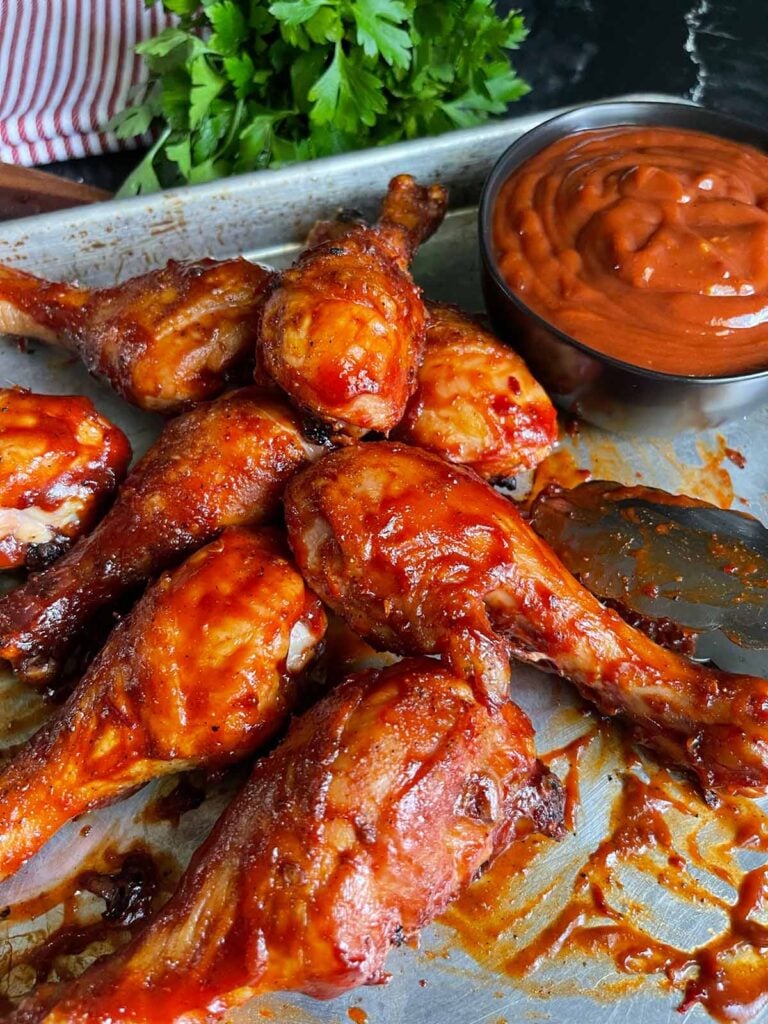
(476, 402)
(60, 461)
(164, 340)
(421, 556)
(342, 332)
(647, 244)
(222, 464)
(378, 808)
(201, 673)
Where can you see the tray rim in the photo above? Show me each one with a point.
(237, 184)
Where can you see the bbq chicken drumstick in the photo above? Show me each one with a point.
(379, 807)
(342, 332)
(60, 462)
(223, 464)
(476, 402)
(421, 556)
(201, 673)
(164, 340)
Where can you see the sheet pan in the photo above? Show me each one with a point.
(264, 216)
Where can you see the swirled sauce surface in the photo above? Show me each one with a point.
(647, 244)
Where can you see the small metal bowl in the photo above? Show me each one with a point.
(602, 389)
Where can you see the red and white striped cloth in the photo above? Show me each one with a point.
(66, 67)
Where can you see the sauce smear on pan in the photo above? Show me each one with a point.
(659, 827)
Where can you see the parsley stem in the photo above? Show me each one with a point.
(231, 132)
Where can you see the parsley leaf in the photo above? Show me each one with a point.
(241, 72)
(180, 6)
(378, 32)
(144, 178)
(346, 95)
(174, 98)
(180, 153)
(206, 86)
(325, 93)
(132, 122)
(162, 44)
(296, 12)
(230, 28)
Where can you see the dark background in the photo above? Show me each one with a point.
(713, 51)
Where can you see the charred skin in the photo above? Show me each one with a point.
(223, 464)
(342, 332)
(60, 462)
(378, 808)
(164, 341)
(423, 557)
(476, 402)
(201, 673)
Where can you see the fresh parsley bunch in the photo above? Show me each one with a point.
(244, 84)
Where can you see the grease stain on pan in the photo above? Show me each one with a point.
(59, 912)
(273, 1008)
(592, 454)
(95, 914)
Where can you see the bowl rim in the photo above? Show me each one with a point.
(608, 113)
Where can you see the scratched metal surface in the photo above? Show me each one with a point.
(264, 217)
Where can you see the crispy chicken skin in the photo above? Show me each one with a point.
(476, 402)
(342, 332)
(399, 544)
(422, 556)
(164, 340)
(378, 808)
(60, 462)
(201, 673)
(222, 464)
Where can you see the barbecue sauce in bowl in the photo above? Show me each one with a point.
(646, 244)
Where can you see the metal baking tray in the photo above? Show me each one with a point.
(265, 216)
